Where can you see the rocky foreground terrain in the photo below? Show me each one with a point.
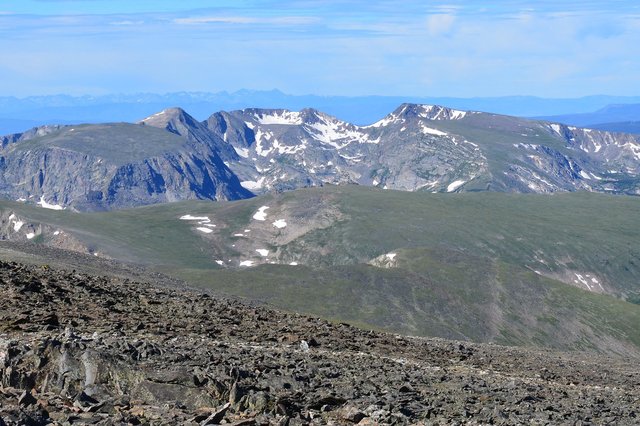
(81, 349)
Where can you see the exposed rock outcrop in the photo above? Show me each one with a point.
(83, 349)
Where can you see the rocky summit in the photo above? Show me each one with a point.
(83, 349)
(171, 156)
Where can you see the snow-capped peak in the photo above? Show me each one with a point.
(285, 117)
(437, 112)
(427, 112)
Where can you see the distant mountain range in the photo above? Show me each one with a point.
(17, 115)
(171, 156)
(615, 118)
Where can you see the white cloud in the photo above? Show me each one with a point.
(440, 24)
(245, 20)
(126, 23)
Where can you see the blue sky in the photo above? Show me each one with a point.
(329, 47)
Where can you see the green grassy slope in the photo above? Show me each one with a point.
(485, 267)
(449, 295)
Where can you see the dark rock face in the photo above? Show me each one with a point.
(103, 167)
(428, 148)
(171, 156)
(96, 350)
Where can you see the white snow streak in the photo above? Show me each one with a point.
(455, 185)
(429, 131)
(585, 175)
(189, 217)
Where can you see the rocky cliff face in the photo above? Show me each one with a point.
(76, 348)
(283, 149)
(424, 147)
(171, 156)
(112, 166)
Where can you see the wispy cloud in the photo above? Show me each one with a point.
(126, 23)
(247, 20)
(435, 47)
(440, 24)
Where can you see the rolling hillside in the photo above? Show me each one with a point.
(530, 270)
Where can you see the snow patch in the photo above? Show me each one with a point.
(442, 113)
(455, 185)
(582, 280)
(585, 175)
(205, 230)
(390, 256)
(261, 215)
(30, 235)
(190, 217)
(42, 203)
(337, 134)
(246, 263)
(17, 224)
(242, 152)
(555, 128)
(220, 262)
(280, 117)
(293, 263)
(280, 223)
(157, 114)
(391, 118)
(252, 184)
(263, 252)
(457, 115)
(429, 131)
(56, 233)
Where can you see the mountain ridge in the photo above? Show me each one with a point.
(240, 153)
(17, 113)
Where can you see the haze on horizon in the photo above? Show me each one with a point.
(329, 47)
